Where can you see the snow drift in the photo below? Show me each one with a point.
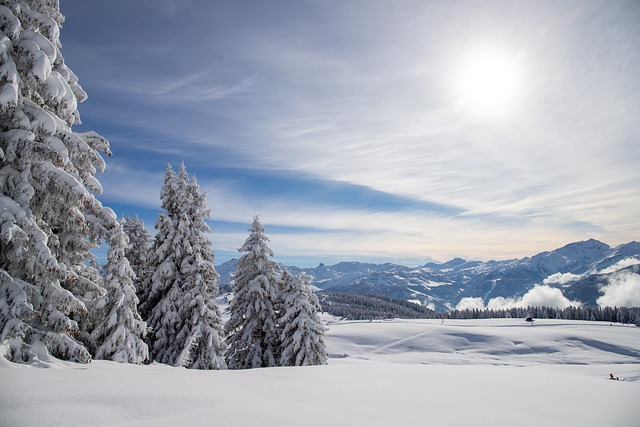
(411, 373)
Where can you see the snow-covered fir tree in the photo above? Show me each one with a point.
(203, 331)
(50, 219)
(302, 331)
(119, 331)
(161, 256)
(252, 334)
(185, 321)
(137, 250)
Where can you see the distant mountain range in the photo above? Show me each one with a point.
(579, 269)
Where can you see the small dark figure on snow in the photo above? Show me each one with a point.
(611, 377)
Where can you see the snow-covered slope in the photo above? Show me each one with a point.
(480, 372)
(498, 342)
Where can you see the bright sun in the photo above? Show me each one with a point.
(487, 82)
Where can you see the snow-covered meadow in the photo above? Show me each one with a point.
(421, 372)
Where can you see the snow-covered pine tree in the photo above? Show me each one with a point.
(183, 315)
(137, 250)
(119, 331)
(251, 330)
(49, 218)
(203, 329)
(302, 331)
(161, 256)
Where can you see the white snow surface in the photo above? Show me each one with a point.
(499, 372)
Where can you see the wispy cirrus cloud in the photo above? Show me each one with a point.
(311, 224)
(201, 86)
(342, 121)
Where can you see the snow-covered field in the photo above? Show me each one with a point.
(397, 373)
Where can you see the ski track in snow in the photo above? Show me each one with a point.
(406, 373)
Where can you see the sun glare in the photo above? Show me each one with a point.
(487, 82)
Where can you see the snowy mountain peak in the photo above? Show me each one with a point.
(454, 262)
(575, 257)
(591, 247)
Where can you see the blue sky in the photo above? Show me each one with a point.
(363, 130)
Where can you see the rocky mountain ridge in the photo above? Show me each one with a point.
(579, 269)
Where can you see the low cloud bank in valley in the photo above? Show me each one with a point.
(561, 278)
(470, 304)
(623, 290)
(538, 296)
(627, 262)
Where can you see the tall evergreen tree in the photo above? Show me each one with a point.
(119, 331)
(182, 312)
(50, 219)
(161, 257)
(252, 334)
(137, 250)
(302, 331)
